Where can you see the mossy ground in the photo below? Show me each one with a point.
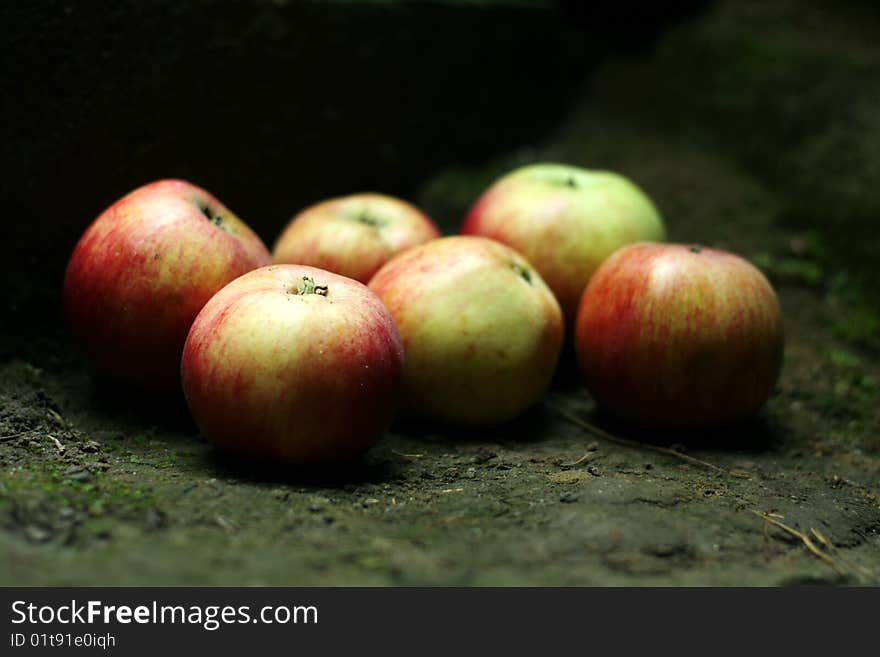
(739, 153)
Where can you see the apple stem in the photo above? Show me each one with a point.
(365, 218)
(214, 218)
(309, 287)
(522, 272)
(696, 248)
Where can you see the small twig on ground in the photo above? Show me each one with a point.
(806, 540)
(225, 523)
(58, 445)
(586, 458)
(832, 549)
(407, 456)
(13, 436)
(826, 556)
(626, 442)
(767, 525)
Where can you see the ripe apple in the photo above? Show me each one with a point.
(482, 331)
(353, 235)
(677, 336)
(293, 364)
(566, 220)
(142, 271)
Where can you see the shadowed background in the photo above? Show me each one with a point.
(269, 105)
(273, 105)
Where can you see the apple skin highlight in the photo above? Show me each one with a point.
(565, 220)
(142, 271)
(481, 329)
(675, 336)
(274, 372)
(353, 235)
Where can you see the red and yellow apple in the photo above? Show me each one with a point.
(482, 331)
(565, 220)
(676, 336)
(353, 235)
(293, 365)
(142, 271)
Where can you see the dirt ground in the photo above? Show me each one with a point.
(100, 489)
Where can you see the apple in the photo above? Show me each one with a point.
(294, 365)
(565, 220)
(142, 271)
(676, 336)
(353, 235)
(482, 330)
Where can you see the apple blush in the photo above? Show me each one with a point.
(676, 336)
(293, 365)
(353, 235)
(481, 329)
(142, 271)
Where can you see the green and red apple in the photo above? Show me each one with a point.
(353, 235)
(676, 336)
(481, 329)
(295, 365)
(142, 271)
(565, 220)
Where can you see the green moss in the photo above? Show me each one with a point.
(858, 317)
(51, 486)
(789, 90)
(791, 269)
(868, 387)
(26, 372)
(845, 359)
(861, 323)
(449, 194)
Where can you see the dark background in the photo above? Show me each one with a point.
(273, 105)
(270, 105)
